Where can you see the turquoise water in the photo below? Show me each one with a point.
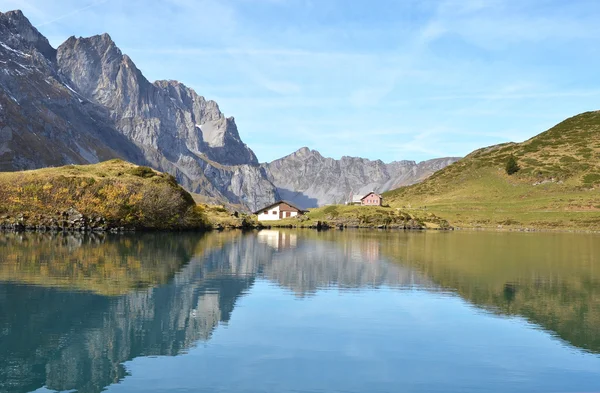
(301, 311)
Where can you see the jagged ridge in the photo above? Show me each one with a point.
(309, 179)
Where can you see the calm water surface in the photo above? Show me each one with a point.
(278, 311)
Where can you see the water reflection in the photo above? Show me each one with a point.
(65, 333)
(73, 309)
(278, 240)
(108, 265)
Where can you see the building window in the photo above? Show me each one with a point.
(274, 212)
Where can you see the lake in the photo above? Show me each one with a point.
(300, 311)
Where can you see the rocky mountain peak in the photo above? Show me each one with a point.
(17, 32)
(305, 152)
(101, 42)
(99, 71)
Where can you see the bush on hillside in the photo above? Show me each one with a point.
(591, 178)
(143, 172)
(512, 166)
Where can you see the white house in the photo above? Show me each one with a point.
(278, 211)
(356, 199)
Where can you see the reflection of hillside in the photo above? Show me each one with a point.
(553, 280)
(109, 265)
(78, 340)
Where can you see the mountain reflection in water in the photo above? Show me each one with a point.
(65, 332)
(73, 309)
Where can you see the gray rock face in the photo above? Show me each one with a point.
(309, 179)
(16, 31)
(166, 116)
(43, 122)
(87, 102)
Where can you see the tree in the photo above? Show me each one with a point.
(512, 166)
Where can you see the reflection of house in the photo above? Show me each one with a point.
(371, 199)
(278, 240)
(278, 211)
(370, 250)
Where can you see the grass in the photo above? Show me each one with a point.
(122, 194)
(556, 188)
(364, 217)
(220, 216)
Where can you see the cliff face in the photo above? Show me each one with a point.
(309, 179)
(166, 115)
(87, 102)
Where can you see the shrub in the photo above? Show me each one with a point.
(512, 166)
(591, 178)
(330, 209)
(143, 172)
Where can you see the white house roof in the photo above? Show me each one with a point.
(279, 203)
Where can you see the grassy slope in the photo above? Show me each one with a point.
(121, 193)
(219, 216)
(476, 191)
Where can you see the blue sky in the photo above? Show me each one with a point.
(382, 79)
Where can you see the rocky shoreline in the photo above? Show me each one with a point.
(72, 221)
(69, 220)
(324, 225)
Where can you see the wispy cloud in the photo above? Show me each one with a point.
(71, 13)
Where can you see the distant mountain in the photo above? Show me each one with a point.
(309, 179)
(87, 102)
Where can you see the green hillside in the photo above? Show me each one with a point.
(558, 185)
(112, 194)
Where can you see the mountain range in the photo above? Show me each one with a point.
(86, 102)
(308, 179)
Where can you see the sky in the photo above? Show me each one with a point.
(380, 79)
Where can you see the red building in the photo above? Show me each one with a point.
(371, 199)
